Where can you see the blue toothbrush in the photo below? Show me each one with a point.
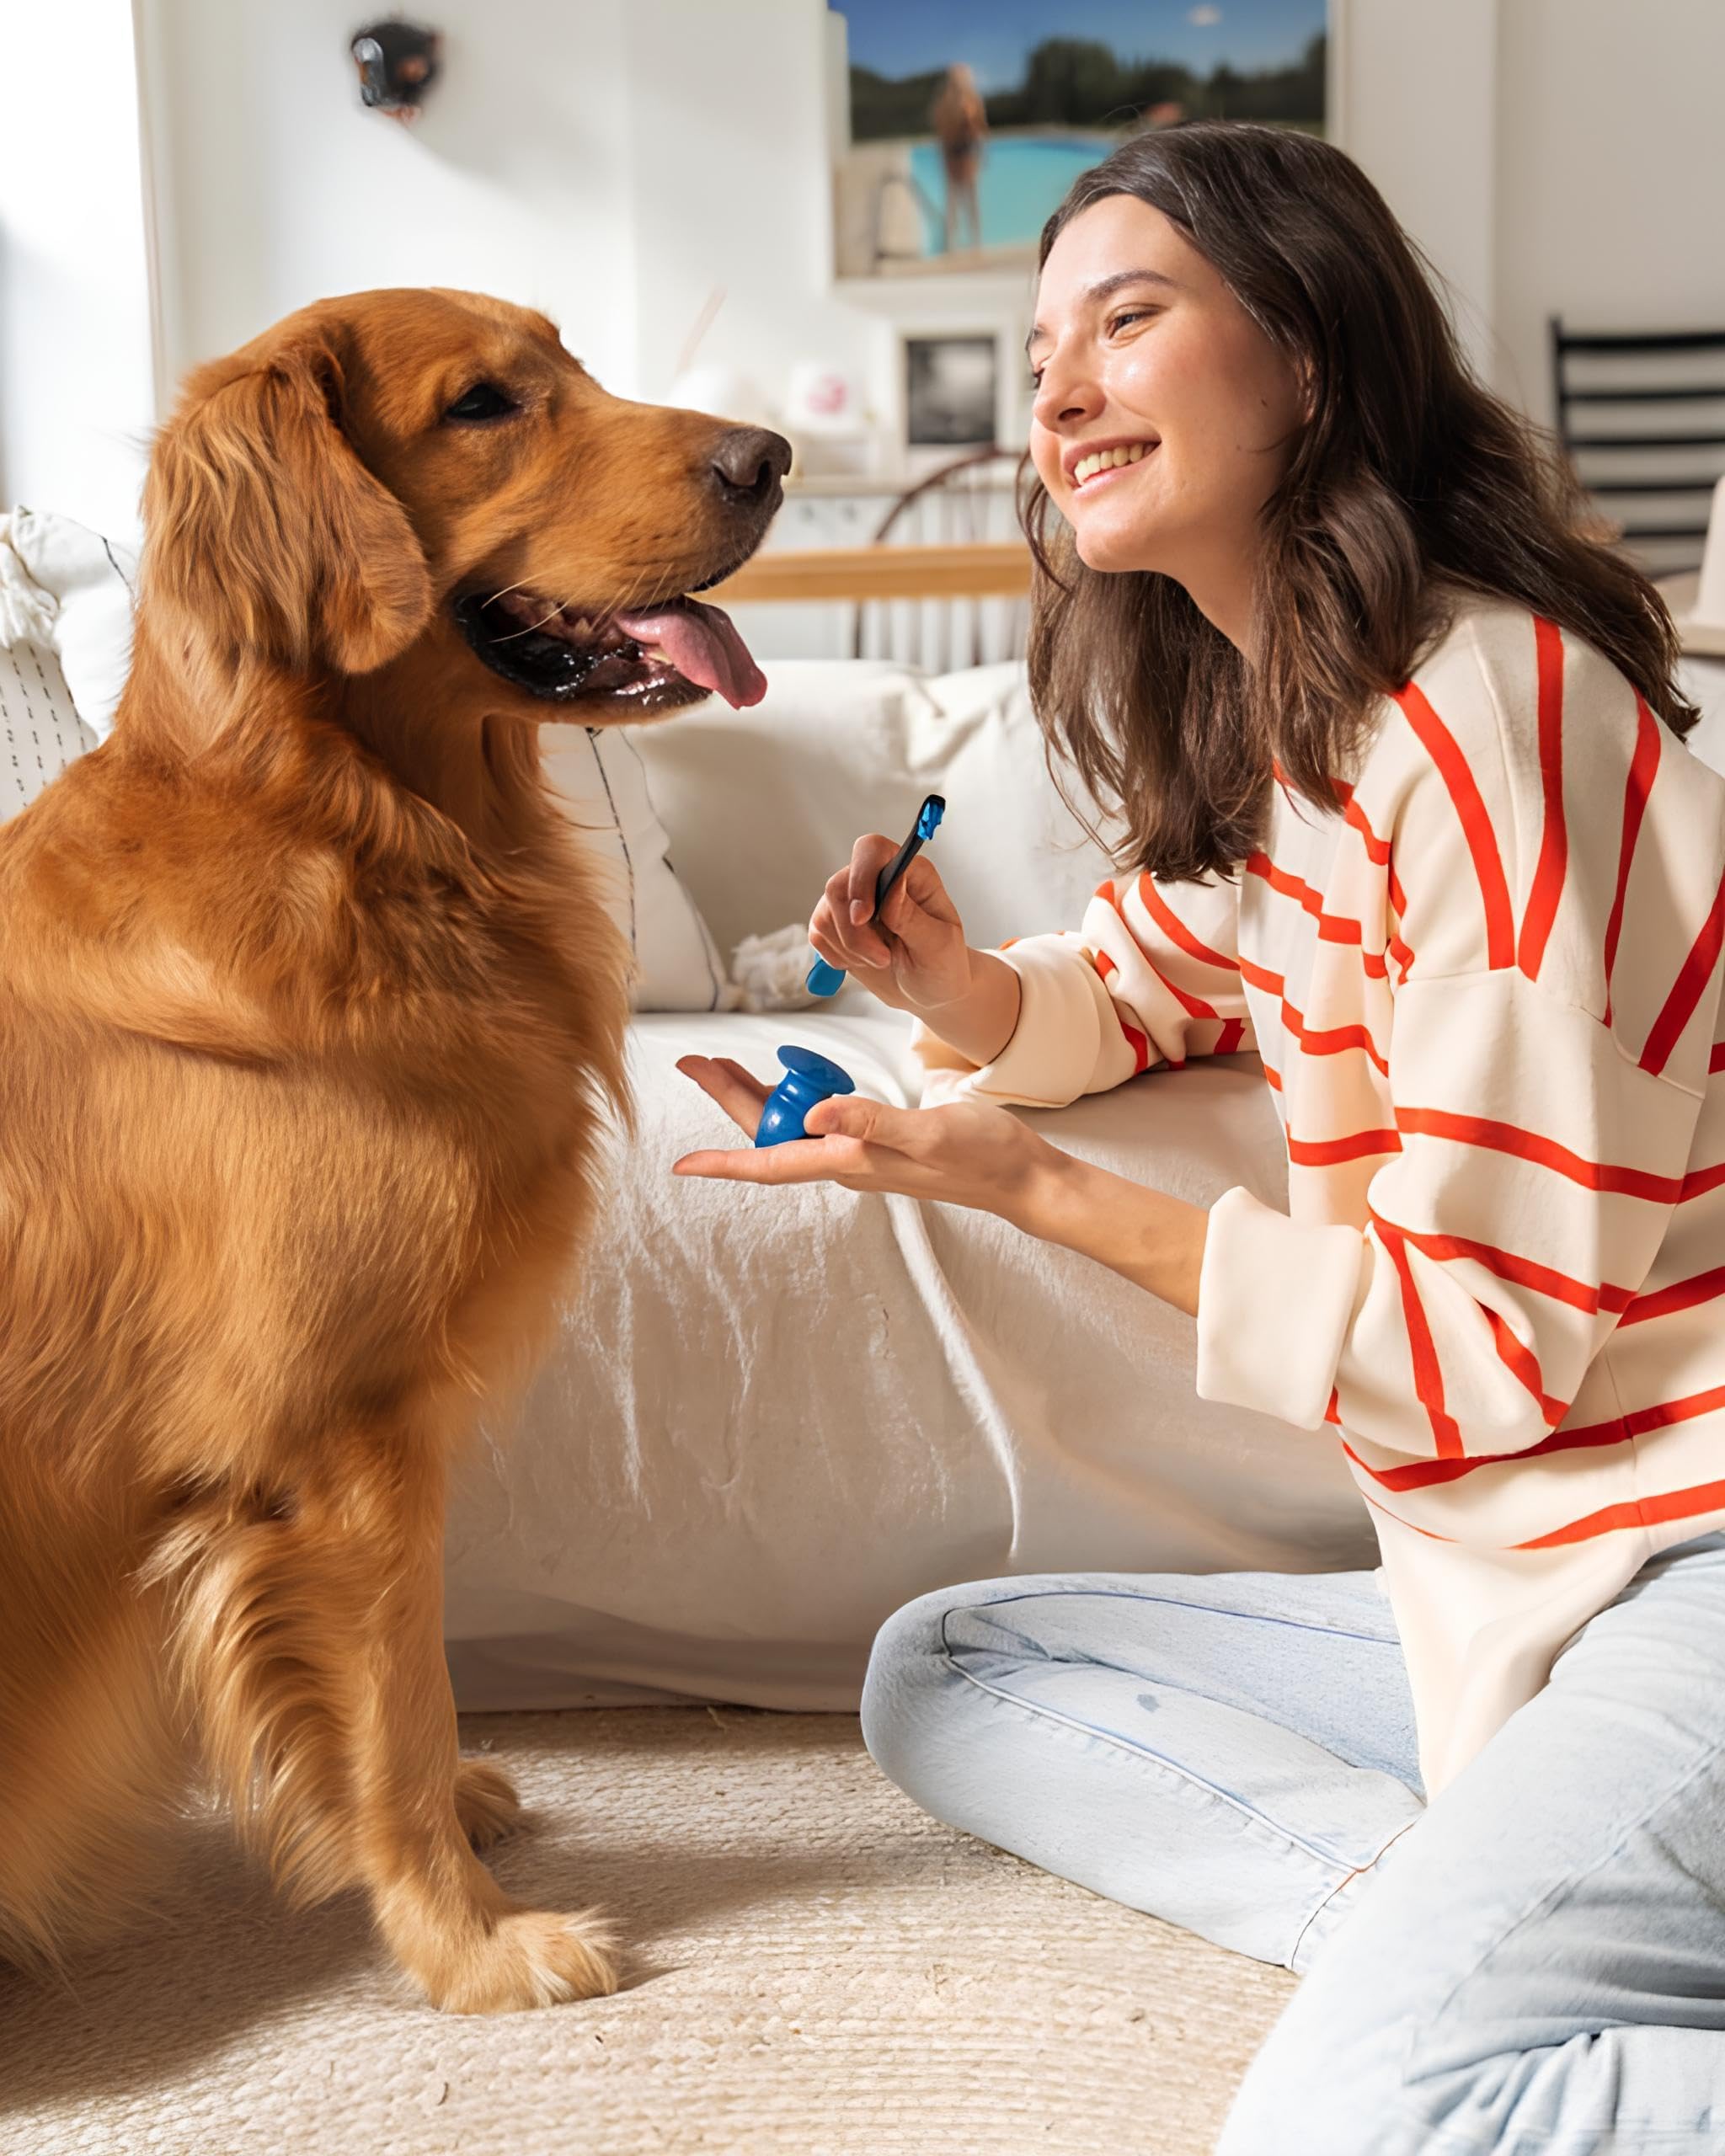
(827, 981)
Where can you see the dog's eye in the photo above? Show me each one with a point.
(483, 401)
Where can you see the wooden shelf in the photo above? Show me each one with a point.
(993, 570)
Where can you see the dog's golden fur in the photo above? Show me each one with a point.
(310, 1014)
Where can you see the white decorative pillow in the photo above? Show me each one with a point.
(41, 731)
(85, 585)
(598, 773)
(764, 804)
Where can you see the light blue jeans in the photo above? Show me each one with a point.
(1533, 1966)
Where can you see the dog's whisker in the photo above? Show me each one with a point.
(647, 575)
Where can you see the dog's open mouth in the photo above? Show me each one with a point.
(650, 661)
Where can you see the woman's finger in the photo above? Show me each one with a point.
(922, 888)
(866, 1121)
(922, 919)
(825, 946)
(868, 856)
(740, 1094)
(800, 1160)
(857, 947)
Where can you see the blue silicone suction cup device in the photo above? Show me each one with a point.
(827, 981)
(808, 1078)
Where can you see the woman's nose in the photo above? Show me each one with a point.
(1065, 396)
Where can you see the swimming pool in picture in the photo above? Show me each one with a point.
(1023, 179)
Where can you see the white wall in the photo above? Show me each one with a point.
(276, 187)
(76, 392)
(610, 161)
(613, 161)
(1610, 173)
(1415, 98)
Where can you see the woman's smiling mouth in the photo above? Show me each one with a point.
(1096, 464)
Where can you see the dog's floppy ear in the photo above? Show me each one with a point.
(264, 530)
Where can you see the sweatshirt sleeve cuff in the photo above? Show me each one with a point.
(1275, 1299)
(1052, 1055)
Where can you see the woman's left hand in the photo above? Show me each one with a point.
(964, 1153)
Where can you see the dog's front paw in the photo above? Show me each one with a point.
(485, 1802)
(532, 1957)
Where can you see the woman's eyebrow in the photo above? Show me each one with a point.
(1104, 285)
(1102, 289)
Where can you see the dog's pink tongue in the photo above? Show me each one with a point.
(703, 646)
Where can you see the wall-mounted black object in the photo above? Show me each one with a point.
(397, 64)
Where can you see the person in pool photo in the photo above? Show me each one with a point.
(960, 126)
(1396, 751)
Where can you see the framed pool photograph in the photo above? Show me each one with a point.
(961, 124)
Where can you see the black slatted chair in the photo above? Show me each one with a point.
(1642, 416)
(965, 503)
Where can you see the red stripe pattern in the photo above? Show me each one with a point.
(1485, 987)
(1177, 933)
(1137, 1041)
(1699, 969)
(1139, 945)
(1554, 837)
(1427, 1375)
(1440, 743)
(1533, 1155)
(1640, 784)
(1545, 1152)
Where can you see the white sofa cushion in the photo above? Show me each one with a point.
(763, 805)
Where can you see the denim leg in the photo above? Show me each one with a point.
(1228, 1751)
(1541, 1970)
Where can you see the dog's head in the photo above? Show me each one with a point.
(402, 465)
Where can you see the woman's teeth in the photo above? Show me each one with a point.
(1108, 460)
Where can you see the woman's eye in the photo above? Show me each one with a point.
(1132, 314)
(483, 401)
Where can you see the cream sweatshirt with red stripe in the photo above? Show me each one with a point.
(1487, 995)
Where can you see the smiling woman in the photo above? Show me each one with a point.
(1397, 749)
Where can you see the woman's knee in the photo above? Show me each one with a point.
(909, 1693)
(1334, 2083)
(1352, 2068)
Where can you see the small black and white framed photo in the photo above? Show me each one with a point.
(952, 390)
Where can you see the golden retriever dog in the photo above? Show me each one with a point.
(310, 1017)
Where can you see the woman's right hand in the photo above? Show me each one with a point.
(915, 956)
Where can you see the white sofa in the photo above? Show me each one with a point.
(774, 1414)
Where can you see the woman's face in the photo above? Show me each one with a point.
(1143, 354)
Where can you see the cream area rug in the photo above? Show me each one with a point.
(817, 1967)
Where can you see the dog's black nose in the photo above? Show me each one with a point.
(749, 462)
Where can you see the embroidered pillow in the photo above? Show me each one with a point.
(598, 774)
(41, 731)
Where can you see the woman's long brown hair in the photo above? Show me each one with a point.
(1409, 483)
